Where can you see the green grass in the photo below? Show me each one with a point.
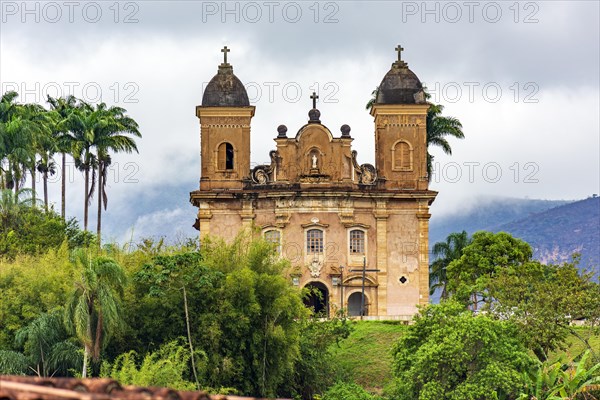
(575, 347)
(365, 357)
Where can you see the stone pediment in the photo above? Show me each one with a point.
(311, 131)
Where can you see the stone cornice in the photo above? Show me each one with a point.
(202, 111)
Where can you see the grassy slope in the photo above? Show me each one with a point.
(365, 356)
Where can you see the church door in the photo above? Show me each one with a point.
(354, 305)
(317, 298)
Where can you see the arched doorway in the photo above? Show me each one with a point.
(317, 298)
(354, 304)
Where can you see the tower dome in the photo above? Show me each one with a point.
(225, 89)
(400, 85)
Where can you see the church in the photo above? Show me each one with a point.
(357, 234)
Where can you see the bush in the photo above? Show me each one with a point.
(166, 367)
(347, 391)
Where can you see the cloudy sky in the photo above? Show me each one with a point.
(522, 76)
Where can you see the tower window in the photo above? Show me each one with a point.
(357, 242)
(225, 156)
(402, 153)
(314, 241)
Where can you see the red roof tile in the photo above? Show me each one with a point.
(34, 388)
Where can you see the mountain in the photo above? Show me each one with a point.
(554, 229)
(557, 233)
(486, 214)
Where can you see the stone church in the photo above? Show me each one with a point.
(347, 228)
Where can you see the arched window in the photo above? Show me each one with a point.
(314, 241)
(225, 156)
(402, 153)
(274, 236)
(357, 241)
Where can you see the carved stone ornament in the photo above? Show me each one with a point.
(263, 174)
(368, 174)
(260, 175)
(315, 268)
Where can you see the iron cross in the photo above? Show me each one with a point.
(225, 50)
(364, 271)
(314, 98)
(399, 49)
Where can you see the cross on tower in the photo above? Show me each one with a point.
(225, 50)
(399, 49)
(314, 98)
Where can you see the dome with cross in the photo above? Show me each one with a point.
(400, 85)
(225, 89)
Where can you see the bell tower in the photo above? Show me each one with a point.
(400, 112)
(225, 116)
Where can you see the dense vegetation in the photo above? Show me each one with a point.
(31, 136)
(224, 319)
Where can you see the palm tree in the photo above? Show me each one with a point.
(8, 108)
(94, 311)
(44, 341)
(41, 143)
(15, 131)
(63, 107)
(22, 128)
(84, 121)
(438, 127)
(446, 252)
(111, 135)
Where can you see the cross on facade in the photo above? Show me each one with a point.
(225, 50)
(399, 49)
(364, 271)
(314, 98)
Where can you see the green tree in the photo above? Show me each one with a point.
(83, 122)
(8, 139)
(497, 270)
(20, 127)
(449, 353)
(13, 363)
(30, 285)
(111, 136)
(314, 371)
(46, 344)
(438, 127)
(61, 131)
(259, 312)
(469, 276)
(25, 229)
(41, 144)
(445, 252)
(243, 312)
(347, 391)
(94, 311)
(544, 300)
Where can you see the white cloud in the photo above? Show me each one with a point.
(156, 69)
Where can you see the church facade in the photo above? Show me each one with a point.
(347, 228)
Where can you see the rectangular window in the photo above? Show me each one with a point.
(314, 241)
(357, 242)
(274, 237)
